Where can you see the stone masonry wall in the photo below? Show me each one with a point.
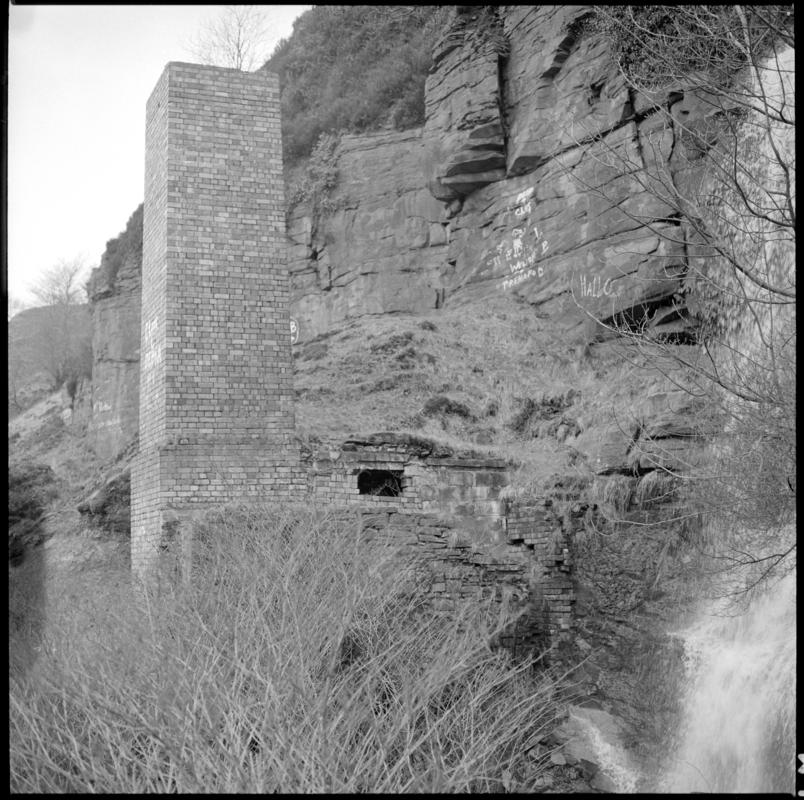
(216, 394)
(452, 518)
(460, 486)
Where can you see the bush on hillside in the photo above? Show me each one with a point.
(352, 69)
(296, 659)
(127, 244)
(30, 489)
(318, 178)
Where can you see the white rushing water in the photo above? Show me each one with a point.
(602, 737)
(738, 730)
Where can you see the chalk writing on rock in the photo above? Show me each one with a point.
(519, 277)
(596, 287)
(519, 250)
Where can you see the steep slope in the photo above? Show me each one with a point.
(355, 69)
(37, 339)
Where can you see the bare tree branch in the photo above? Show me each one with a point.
(238, 38)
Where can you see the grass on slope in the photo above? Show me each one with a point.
(498, 379)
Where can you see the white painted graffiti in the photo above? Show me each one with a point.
(523, 203)
(520, 249)
(519, 277)
(596, 287)
(152, 351)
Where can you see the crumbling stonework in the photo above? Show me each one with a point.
(450, 514)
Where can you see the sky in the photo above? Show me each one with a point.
(78, 80)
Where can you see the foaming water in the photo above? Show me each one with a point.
(609, 753)
(738, 728)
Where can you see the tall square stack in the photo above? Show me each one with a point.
(216, 390)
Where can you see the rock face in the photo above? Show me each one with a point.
(382, 250)
(529, 177)
(114, 294)
(465, 141)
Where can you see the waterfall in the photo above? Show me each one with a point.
(738, 721)
(738, 728)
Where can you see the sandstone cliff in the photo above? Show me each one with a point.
(514, 185)
(114, 295)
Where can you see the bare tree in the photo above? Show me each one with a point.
(714, 149)
(61, 285)
(238, 38)
(62, 345)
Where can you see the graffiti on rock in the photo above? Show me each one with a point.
(518, 253)
(596, 287)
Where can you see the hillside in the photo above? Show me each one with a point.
(351, 69)
(40, 342)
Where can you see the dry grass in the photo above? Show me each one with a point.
(296, 660)
(526, 390)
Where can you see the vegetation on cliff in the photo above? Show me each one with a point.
(126, 245)
(729, 180)
(655, 44)
(352, 69)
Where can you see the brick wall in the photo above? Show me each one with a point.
(453, 560)
(216, 393)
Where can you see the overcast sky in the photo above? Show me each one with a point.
(79, 77)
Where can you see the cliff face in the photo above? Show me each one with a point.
(114, 295)
(499, 194)
(382, 250)
(528, 126)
